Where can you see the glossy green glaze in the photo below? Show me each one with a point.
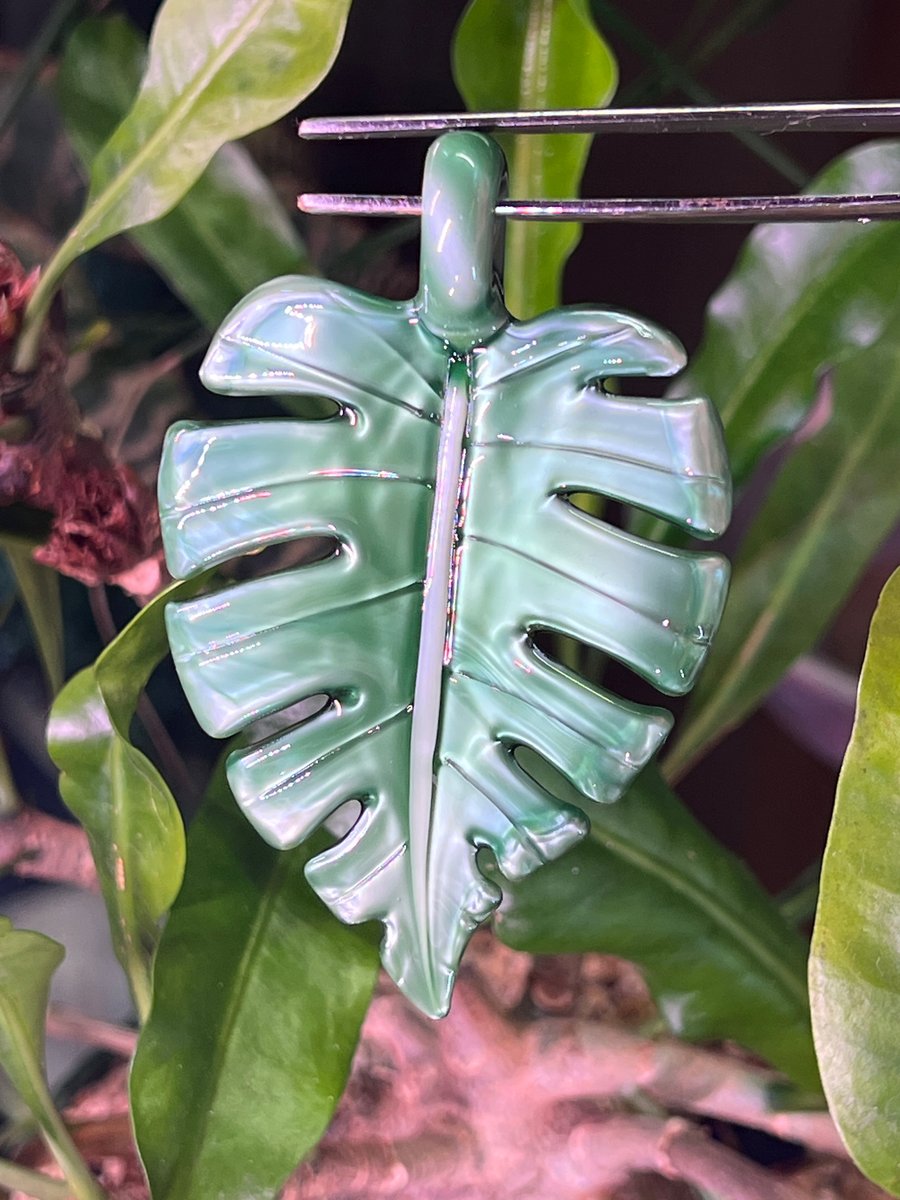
(444, 480)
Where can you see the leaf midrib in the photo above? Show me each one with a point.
(176, 115)
(808, 298)
(793, 986)
(189, 1158)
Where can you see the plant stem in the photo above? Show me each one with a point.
(173, 766)
(37, 308)
(82, 1183)
(10, 802)
(32, 1087)
(34, 60)
(21, 1179)
(668, 72)
(743, 18)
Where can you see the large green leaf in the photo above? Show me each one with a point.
(216, 71)
(443, 474)
(854, 969)
(651, 885)
(831, 506)
(27, 963)
(229, 232)
(124, 804)
(800, 299)
(535, 54)
(259, 996)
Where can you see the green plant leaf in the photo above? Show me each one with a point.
(802, 298)
(445, 472)
(535, 54)
(831, 506)
(854, 969)
(17, 1178)
(650, 884)
(27, 963)
(215, 72)
(38, 589)
(124, 804)
(227, 234)
(259, 997)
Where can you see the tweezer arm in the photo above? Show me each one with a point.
(881, 116)
(705, 209)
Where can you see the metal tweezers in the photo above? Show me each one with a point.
(876, 117)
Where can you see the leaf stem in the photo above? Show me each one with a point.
(14, 1177)
(173, 766)
(10, 801)
(36, 1095)
(29, 341)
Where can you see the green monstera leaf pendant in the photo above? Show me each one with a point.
(443, 480)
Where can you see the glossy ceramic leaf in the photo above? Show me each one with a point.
(831, 506)
(194, 246)
(442, 481)
(854, 970)
(650, 884)
(27, 963)
(215, 72)
(124, 804)
(259, 997)
(535, 54)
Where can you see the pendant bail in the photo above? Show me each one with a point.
(459, 295)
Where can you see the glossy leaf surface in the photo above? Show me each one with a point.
(215, 72)
(229, 232)
(442, 480)
(650, 884)
(854, 971)
(129, 814)
(833, 503)
(535, 54)
(259, 997)
(27, 963)
(801, 298)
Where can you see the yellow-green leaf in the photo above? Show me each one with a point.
(215, 72)
(195, 246)
(535, 54)
(129, 814)
(27, 963)
(854, 970)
